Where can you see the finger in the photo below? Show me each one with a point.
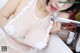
(54, 23)
(58, 24)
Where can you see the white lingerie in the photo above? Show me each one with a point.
(14, 30)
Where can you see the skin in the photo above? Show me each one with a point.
(60, 29)
(47, 10)
(57, 25)
(41, 10)
(56, 4)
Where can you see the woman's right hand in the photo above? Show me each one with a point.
(55, 27)
(56, 24)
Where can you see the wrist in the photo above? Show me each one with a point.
(53, 31)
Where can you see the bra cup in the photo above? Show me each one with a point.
(10, 29)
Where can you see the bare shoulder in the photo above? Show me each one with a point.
(21, 5)
(9, 8)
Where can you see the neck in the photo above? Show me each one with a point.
(40, 10)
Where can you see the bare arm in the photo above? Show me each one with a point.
(8, 10)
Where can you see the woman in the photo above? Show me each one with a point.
(29, 24)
